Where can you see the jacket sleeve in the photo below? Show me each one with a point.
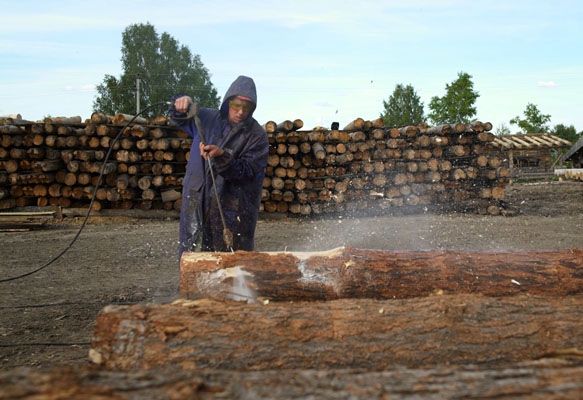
(251, 161)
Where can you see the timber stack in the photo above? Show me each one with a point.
(363, 168)
(367, 166)
(58, 162)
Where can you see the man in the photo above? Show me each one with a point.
(238, 148)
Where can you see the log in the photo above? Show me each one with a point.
(159, 120)
(367, 334)
(158, 181)
(355, 273)
(355, 125)
(149, 195)
(318, 151)
(64, 130)
(336, 135)
(550, 378)
(7, 203)
(297, 124)
(270, 126)
(409, 131)
(100, 118)
(285, 126)
(145, 182)
(358, 136)
(63, 120)
(440, 129)
(120, 119)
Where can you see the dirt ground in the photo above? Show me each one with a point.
(48, 318)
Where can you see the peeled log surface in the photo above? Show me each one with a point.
(544, 379)
(358, 273)
(368, 334)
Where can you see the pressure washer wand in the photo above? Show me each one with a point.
(227, 234)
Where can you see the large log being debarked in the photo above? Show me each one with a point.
(357, 273)
(356, 333)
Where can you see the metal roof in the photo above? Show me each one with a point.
(530, 141)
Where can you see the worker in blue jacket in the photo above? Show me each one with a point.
(238, 147)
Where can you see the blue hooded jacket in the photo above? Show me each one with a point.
(239, 176)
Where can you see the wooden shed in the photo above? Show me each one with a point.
(531, 153)
(575, 154)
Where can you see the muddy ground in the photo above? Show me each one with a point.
(48, 318)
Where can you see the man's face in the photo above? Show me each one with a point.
(239, 110)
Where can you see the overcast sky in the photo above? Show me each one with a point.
(320, 61)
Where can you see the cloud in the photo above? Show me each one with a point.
(87, 87)
(324, 104)
(547, 84)
(359, 17)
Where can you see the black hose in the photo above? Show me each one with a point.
(227, 234)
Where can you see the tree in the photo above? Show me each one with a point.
(164, 68)
(458, 103)
(403, 108)
(534, 121)
(567, 132)
(502, 130)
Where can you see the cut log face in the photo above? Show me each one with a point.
(367, 334)
(355, 273)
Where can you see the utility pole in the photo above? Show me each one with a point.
(137, 95)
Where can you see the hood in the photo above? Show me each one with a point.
(242, 86)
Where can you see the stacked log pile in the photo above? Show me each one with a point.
(58, 163)
(366, 166)
(570, 174)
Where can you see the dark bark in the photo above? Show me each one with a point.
(545, 379)
(369, 334)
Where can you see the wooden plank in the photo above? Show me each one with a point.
(563, 142)
(532, 140)
(540, 139)
(522, 142)
(509, 142)
(27, 213)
